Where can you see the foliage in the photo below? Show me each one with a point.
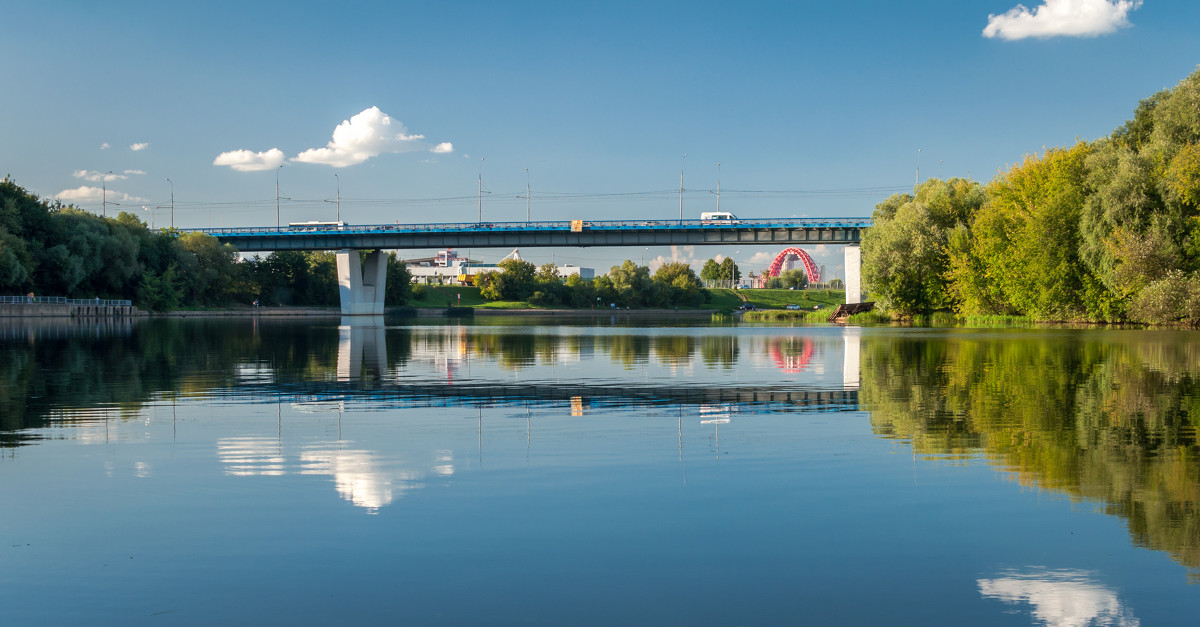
(906, 254)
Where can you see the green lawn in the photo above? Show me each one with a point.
(442, 296)
(777, 299)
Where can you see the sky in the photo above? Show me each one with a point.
(407, 109)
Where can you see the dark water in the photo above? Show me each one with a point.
(537, 472)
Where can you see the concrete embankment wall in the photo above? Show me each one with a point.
(58, 310)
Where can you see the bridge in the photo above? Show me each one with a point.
(362, 281)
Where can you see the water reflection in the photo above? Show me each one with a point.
(1106, 417)
(1060, 598)
(1102, 417)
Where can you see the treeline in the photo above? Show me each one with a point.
(59, 250)
(674, 284)
(1107, 230)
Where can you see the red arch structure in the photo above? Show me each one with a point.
(810, 268)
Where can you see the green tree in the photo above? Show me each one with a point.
(729, 271)
(633, 285)
(795, 278)
(678, 284)
(399, 282)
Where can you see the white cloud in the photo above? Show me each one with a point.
(249, 161)
(139, 146)
(104, 146)
(1062, 18)
(368, 134)
(96, 176)
(135, 172)
(89, 194)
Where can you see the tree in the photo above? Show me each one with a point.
(795, 278)
(729, 271)
(678, 284)
(633, 284)
(904, 260)
(711, 270)
(399, 282)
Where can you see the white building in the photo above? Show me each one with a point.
(447, 267)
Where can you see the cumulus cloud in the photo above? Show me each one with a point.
(104, 146)
(1065, 18)
(250, 161)
(96, 176)
(368, 134)
(90, 194)
(139, 146)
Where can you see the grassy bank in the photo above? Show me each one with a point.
(442, 296)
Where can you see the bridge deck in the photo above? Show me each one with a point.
(556, 233)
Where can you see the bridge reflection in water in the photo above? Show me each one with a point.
(362, 354)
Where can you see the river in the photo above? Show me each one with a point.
(595, 472)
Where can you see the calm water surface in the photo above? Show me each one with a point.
(512, 471)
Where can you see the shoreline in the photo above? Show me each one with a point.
(424, 312)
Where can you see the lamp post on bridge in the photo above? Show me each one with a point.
(681, 162)
(339, 196)
(172, 202)
(277, 223)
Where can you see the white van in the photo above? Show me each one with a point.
(717, 216)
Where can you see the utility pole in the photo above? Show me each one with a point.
(277, 223)
(172, 202)
(339, 197)
(104, 194)
(718, 186)
(918, 182)
(527, 186)
(481, 190)
(681, 162)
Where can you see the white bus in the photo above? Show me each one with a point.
(717, 216)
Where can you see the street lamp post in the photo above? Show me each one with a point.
(172, 202)
(527, 196)
(681, 162)
(151, 210)
(104, 194)
(481, 190)
(277, 222)
(339, 197)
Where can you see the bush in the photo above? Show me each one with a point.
(419, 292)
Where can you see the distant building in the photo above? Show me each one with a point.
(446, 267)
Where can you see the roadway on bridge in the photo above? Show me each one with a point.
(576, 233)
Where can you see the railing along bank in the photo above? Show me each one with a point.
(60, 300)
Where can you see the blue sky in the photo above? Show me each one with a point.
(811, 108)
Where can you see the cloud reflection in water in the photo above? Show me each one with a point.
(1060, 598)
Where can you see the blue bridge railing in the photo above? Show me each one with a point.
(560, 225)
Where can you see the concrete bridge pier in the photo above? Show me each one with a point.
(361, 282)
(853, 274)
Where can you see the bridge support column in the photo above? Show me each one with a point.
(853, 274)
(361, 283)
